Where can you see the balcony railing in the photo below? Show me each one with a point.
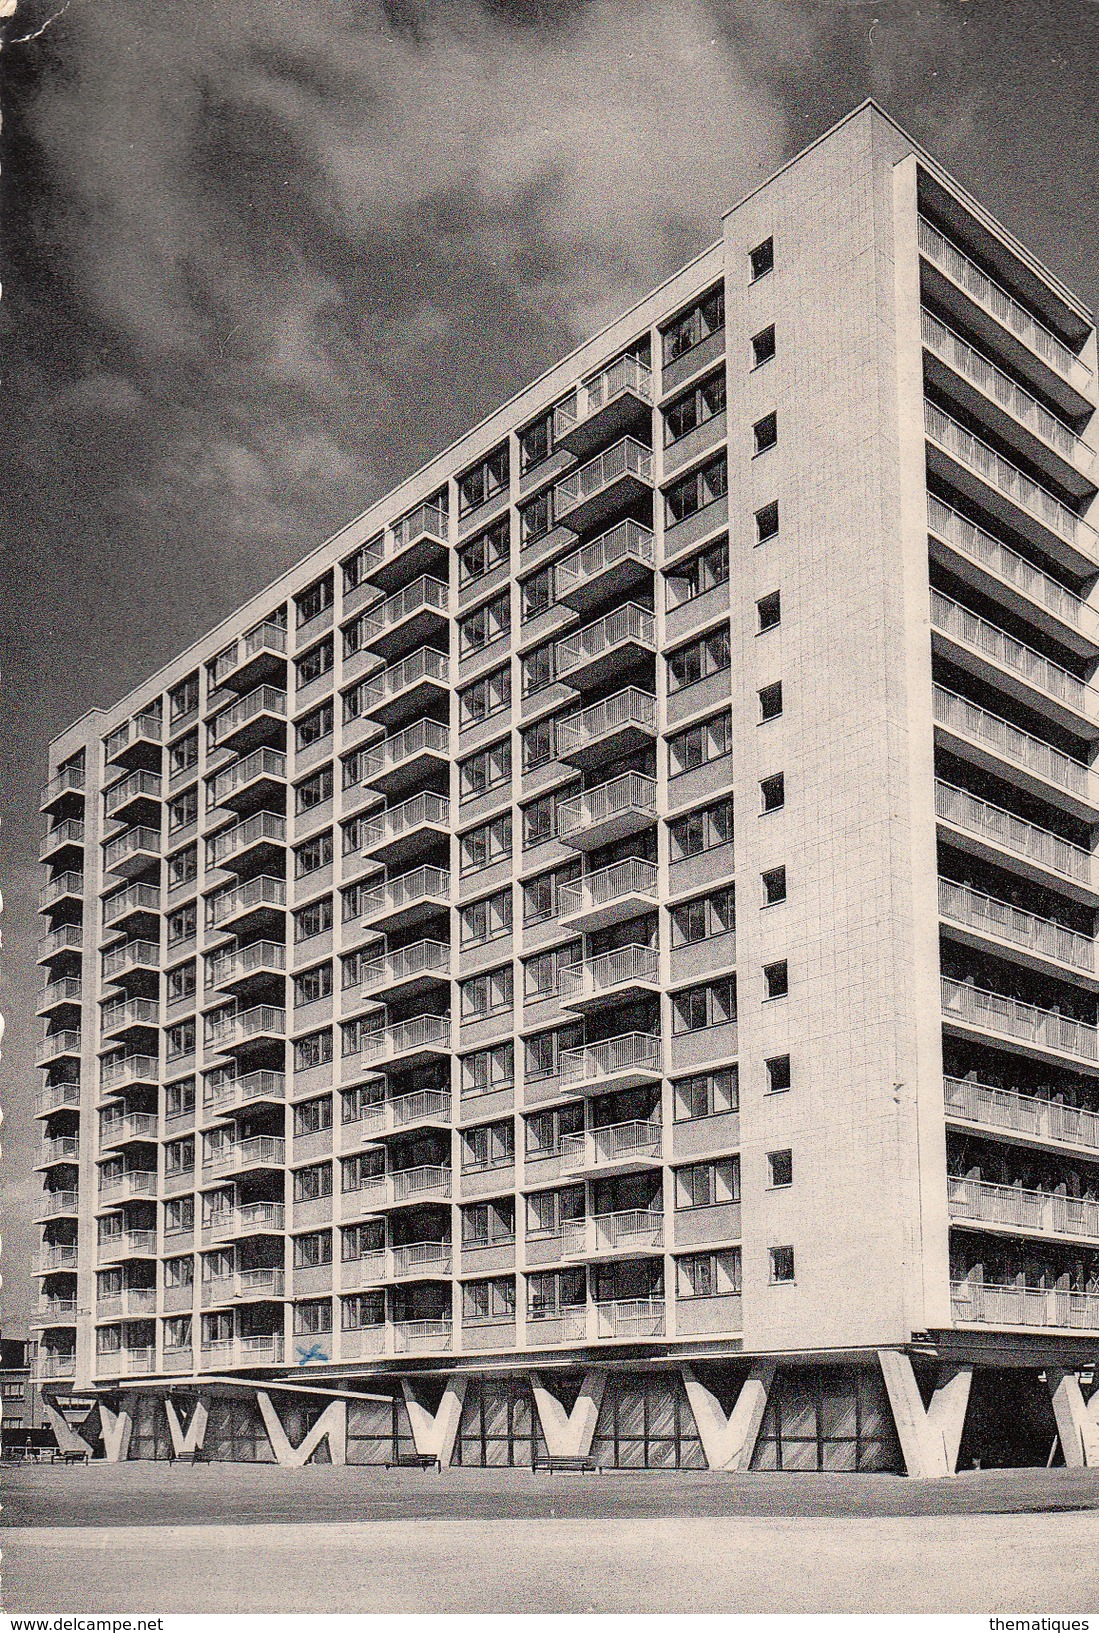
(262, 1218)
(261, 1151)
(244, 961)
(622, 880)
(127, 1012)
(54, 1311)
(423, 593)
(57, 1204)
(1034, 753)
(630, 707)
(389, 1116)
(1050, 1212)
(262, 762)
(626, 374)
(992, 642)
(431, 1258)
(56, 1096)
(260, 1349)
(138, 785)
(131, 955)
(55, 1044)
(264, 638)
(1026, 1023)
(1024, 1306)
(222, 1090)
(630, 1318)
(127, 1244)
(1030, 1114)
(425, 519)
(628, 623)
(421, 958)
(627, 541)
(132, 1125)
(1009, 480)
(423, 736)
(58, 1256)
(65, 990)
(264, 700)
(143, 728)
(417, 812)
(616, 1142)
(992, 382)
(263, 825)
(962, 905)
(266, 891)
(626, 458)
(631, 794)
(424, 664)
(135, 1182)
(978, 817)
(115, 1073)
(65, 884)
(65, 938)
(68, 781)
(407, 1037)
(65, 1148)
(427, 1182)
(607, 972)
(594, 1062)
(225, 1029)
(419, 884)
(1000, 305)
(53, 1365)
(421, 1337)
(134, 842)
(130, 1302)
(134, 899)
(70, 831)
(1006, 564)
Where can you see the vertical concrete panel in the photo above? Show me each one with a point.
(569, 1434)
(117, 1427)
(330, 1426)
(186, 1442)
(729, 1441)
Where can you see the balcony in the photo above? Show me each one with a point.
(126, 1071)
(223, 1092)
(630, 1318)
(622, 806)
(615, 726)
(606, 485)
(261, 1349)
(135, 798)
(260, 838)
(612, 646)
(630, 1061)
(408, 971)
(245, 1286)
(125, 1363)
(57, 1097)
(1000, 830)
(408, 688)
(68, 834)
(1006, 491)
(257, 780)
(412, 897)
(66, 888)
(991, 386)
(422, 1337)
(1026, 1116)
(412, 617)
(259, 718)
(617, 560)
(420, 1260)
(981, 1303)
(563, 1326)
(406, 1187)
(625, 1147)
(1038, 1031)
(261, 652)
(134, 852)
(59, 1046)
(57, 1205)
(424, 1108)
(247, 904)
(1018, 669)
(55, 1312)
(56, 1365)
(57, 1256)
(246, 965)
(136, 742)
(1008, 925)
(999, 744)
(249, 1219)
(605, 406)
(126, 1244)
(64, 1149)
(132, 1303)
(609, 978)
(67, 938)
(64, 993)
(261, 1024)
(419, 1039)
(131, 906)
(415, 545)
(245, 1156)
(125, 1129)
(625, 890)
(1034, 1213)
(132, 958)
(126, 1016)
(132, 1186)
(420, 752)
(396, 835)
(66, 782)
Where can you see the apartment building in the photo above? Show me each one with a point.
(599, 959)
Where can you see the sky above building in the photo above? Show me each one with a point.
(261, 258)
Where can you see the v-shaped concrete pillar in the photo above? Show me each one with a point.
(569, 1434)
(116, 1427)
(1077, 1419)
(729, 1442)
(66, 1436)
(330, 1426)
(186, 1442)
(434, 1433)
(929, 1436)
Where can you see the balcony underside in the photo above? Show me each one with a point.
(1003, 510)
(1009, 771)
(622, 493)
(1014, 686)
(612, 745)
(425, 769)
(603, 670)
(424, 697)
(427, 626)
(604, 830)
(387, 919)
(973, 1032)
(970, 572)
(985, 941)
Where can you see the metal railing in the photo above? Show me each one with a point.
(65, 884)
(68, 832)
(951, 618)
(133, 1182)
(68, 781)
(64, 1042)
(632, 792)
(222, 1088)
(51, 1364)
(131, 1125)
(249, 1216)
(1010, 1018)
(413, 1336)
(606, 971)
(129, 1012)
(426, 663)
(143, 728)
(626, 458)
(626, 623)
(615, 1142)
(56, 1096)
(959, 714)
(1024, 1306)
(128, 1069)
(134, 899)
(56, 1204)
(127, 1244)
(963, 905)
(405, 1109)
(977, 816)
(58, 1256)
(420, 736)
(415, 1256)
(1050, 1212)
(65, 990)
(592, 1062)
(418, 884)
(229, 1027)
(262, 762)
(128, 844)
(428, 1179)
(423, 592)
(626, 374)
(260, 1151)
(418, 1032)
(138, 785)
(258, 955)
(264, 700)
(399, 819)
(59, 940)
(632, 877)
(266, 891)
(65, 1148)
(626, 541)
(231, 841)
(630, 1318)
(996, 557)
(425, 519)
(269, 637)
(1042, 1118)
(630, 707)
(131, 955)
(420, 958)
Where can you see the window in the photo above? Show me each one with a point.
(488, 550)
(693, 326)
(354, 834)
(356, 567)
(711, 1004)
(354, 966)
(492, 1145)
(536, 594)
(313, 1249)
(177, 1332)
(315, 726)
(703, 402)
(487, 994)
(540, 894)
(183, 867)
(538, 669)
(313, 920)
(761, 260)
(492, 1300)
(315, 663)
(782, 1264)
(763, 346)
(699, 744)
(354, 633)
(542, 972)
(313, 1315)
(765, 433)
(542, 1052)
(536, 443)
(770, 702)
(548, 1211)
(179, 1216)
(181, 1039)
(314, 1050)
(356, 1102)
(704, 918)
(363, 1310)
(359, 1172)
(707, 1184)
(179, 1272)
(183, 699)
(772, 792)
(538, 743)
(485, 920)
(313, 1116)
(356, 699)
(358, 1241)
(540, 816)
(708, 1275)
(778, 1074)
(487, 696)
(774, 886)
(355, 1035)
(179, 1098)
(551, 1291)
(356, 898)
(183, 810)
(769, 612)
(707, 655)
(546, 1129)
(707, 1094)
(315, 854)
(535, 518)
(487, 624)
(482, 846)
(701, 830)
(314, 790)
(313, 985)
(487, 769)
(183, 754)
(776, 980)
(484, 481)
(488, 1070)
(353, 767)
(694, 492)
(182, 982)
(487, 1223)
(767, 522)
(701, 573)
(780, 1166)
(311, 602)
(310, 1184)
(179, 1156)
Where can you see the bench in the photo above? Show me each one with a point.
(196, 1456)
(73, 1456)
(567, 1465)
(415, 1460)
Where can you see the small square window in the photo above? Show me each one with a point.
(776, 980)
(782, 1264)
(767, 522)
(770, 701)
(772, 791)
(769, 611)
(763, 346)
(774, 886)
(765, 433)
(778, 1074)
(761, 260)
(780, 1165)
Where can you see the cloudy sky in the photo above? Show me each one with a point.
(262, 257)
